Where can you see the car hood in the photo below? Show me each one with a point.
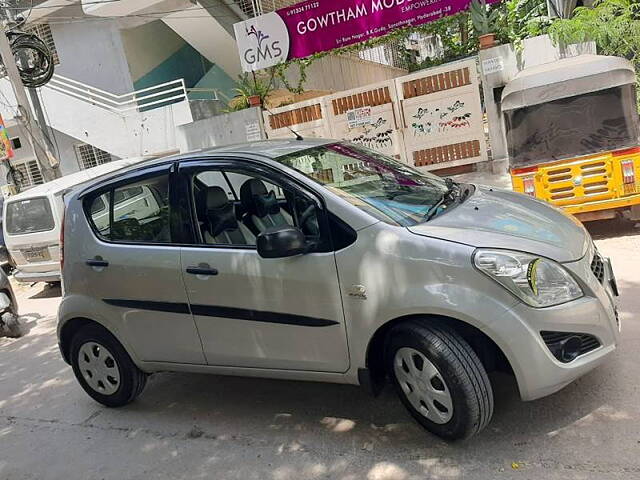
(493, 218)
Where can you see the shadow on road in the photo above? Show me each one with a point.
(603, 229)
(48, 291)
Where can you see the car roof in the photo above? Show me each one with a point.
(270, 149)
(68, 181)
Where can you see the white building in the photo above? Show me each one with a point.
(130, 72)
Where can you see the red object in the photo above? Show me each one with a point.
(6, 149)
(529, 186)
(628, 172)
(626, 151)
(487, 41)
(520, 171)
(255, 101)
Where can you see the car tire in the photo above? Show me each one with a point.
(103, 367)
(439, 379)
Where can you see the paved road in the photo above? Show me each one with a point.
(202, 427)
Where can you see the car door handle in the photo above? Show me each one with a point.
(202, 271)
(97, 263)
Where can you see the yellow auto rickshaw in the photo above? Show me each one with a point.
(573, 135)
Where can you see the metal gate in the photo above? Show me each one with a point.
(430, 119)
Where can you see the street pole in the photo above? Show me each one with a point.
(39, 144)
(37, 106)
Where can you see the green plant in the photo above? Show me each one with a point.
(483, 19)
(520, 19)
(613, 24)
(250, 86)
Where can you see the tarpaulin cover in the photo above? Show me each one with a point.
(566, 78)
(570, 127)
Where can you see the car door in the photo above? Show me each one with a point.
(134, 269)
(254, 312)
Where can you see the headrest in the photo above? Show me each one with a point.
(256, 200)
(216, 198)
(219, 212)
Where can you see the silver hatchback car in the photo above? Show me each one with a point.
(321, 260)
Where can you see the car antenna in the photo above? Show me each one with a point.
(298, 136)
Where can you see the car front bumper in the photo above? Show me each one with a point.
(538, 371)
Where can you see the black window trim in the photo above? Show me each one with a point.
(111, 185)
(190, 165)
(174, 168)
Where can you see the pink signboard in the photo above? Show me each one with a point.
(315, 26)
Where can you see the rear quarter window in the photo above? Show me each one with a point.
(29, 216)
(136, 213)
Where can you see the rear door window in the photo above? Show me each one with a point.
(139, 213)
(29, 216)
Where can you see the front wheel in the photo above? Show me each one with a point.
(439, 379)
(103, 367)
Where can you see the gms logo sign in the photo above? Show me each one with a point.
(262, 41)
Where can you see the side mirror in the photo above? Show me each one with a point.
(280, 242)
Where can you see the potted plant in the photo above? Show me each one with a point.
(251, 91)
(254, 100)
(483, 23)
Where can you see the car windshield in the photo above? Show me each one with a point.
(29, 216)
(381, 186)
(608, 120)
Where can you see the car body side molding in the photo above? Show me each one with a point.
(171, 307)
(258, 316)
(223, 312)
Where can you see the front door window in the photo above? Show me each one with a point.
(233, 208)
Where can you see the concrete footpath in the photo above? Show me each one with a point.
(188, 426)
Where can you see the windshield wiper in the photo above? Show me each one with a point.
(451, 195)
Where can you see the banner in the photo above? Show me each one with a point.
(316, 26)
(6, 150)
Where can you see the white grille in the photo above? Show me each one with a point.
(43, 31)
(34, 172)
(90, 156)
(27, 174)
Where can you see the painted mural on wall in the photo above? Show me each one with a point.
(376, 135)
(430, 120)
(443, 123)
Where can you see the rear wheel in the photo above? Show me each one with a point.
(103, 367)
(439, 379)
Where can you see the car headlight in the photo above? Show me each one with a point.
(539, 282)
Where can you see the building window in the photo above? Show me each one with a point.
(27, 174)
(43, 31)
(16, 143)
(247, 7)
(90, 156)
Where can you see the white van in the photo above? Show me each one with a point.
(32, 220)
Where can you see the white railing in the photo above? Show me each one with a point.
(140, 100)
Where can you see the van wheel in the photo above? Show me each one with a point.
(104, 368)
(439, 379)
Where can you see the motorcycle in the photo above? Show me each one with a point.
(10, 325)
